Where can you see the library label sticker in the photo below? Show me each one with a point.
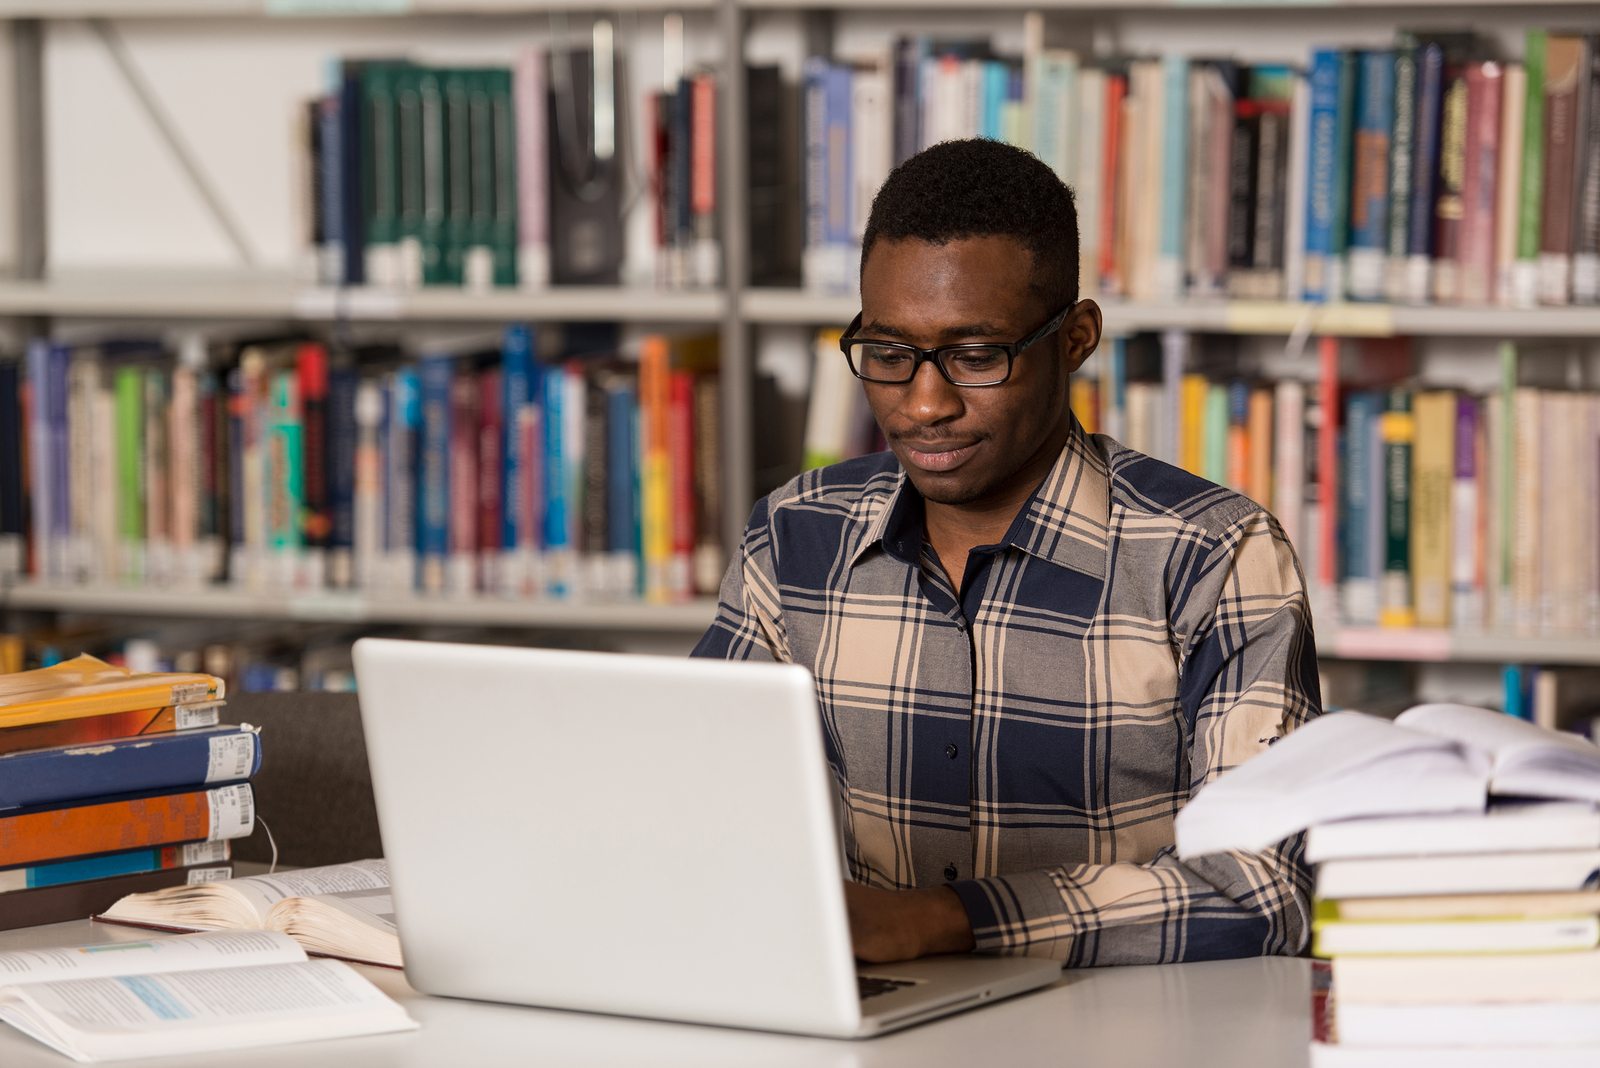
(337, 7)
(195, 853)
(233, 812)
(188, 717)
(231, 757)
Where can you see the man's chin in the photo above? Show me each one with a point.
(946, 490)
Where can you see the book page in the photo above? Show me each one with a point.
(182, 953)
(1529, 761)
(356, 925)
(265, 891)
(185, 1012)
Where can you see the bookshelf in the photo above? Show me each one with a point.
(739, 312)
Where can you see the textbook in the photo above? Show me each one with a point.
(1430, 759)
(34, 835)
(343, 910)
(141, 722)
(1333, 936)
(1511, 827)
(80, 900)
(1476, 873)
(86, 686)
(128, 765)
(192, 994)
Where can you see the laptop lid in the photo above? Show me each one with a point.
(637, 835)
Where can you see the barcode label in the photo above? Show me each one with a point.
(188, 693)
(209, 875)
(232, 757)
(233, 812)
(202, 853)
(188, 717)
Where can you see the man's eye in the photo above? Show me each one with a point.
(983, 360)
(884, 357)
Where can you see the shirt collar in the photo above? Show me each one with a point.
(1066, 521)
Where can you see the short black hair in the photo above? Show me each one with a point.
(982, 188)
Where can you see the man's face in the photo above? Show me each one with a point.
(968, 446)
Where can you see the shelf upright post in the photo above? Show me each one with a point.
(28, 210)
(738, 354)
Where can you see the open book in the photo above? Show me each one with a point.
(340, 911)
(1344, 765)
(190, 994)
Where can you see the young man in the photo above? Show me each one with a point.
(1031, 646)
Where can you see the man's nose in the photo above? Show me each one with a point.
(930, 398)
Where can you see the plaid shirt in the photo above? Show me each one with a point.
(1030, 738)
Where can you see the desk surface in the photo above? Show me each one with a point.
(1227, 1014)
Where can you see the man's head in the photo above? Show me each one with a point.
(975, 241)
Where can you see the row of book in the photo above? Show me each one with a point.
(1456, 909)
(293, 466)
(415, 175)
(113, 782)
(1409, 506)
(1424, 172)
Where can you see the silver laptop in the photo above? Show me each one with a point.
(635, 835)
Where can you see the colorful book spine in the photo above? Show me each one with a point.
(1402, 150)
(1565, 79)
(1397, 607)
(111, 865)
(63, 774)
(1427, 126)
(533, 196)
(1369, 198)
(1359, 586)
(1480, 195)
(434, 377)
(1525, 277)
(343, 443)
(655, 478)
(462, 483)
(1432, 490)
(1175, 170)
(38, 836)
(1449, 205)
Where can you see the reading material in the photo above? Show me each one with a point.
(343, 910)
(1431, 759)
(191, 994)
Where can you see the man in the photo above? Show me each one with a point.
(1031, 646)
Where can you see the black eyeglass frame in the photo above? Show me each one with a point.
(1012, 349)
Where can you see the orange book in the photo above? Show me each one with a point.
(1085, 400)
(1116, 90)
(654, 483)
(111, 725)
(1258, 483)
(680, 480)
(34, 837)
(85, 686)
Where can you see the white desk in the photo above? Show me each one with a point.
(1228, 1014)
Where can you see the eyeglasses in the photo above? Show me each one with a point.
(972, 365)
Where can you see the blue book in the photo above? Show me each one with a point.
(352, 212)
(110, 865)
(839, 219)
(516, 390)
(816, 176)
(557, 522)
(1369, 192)
(1426, 129)
(1174, 175)
(1362, 410)
(622, 456)
(212, 756)
(996, 81)
(1517, 686)
(1325, 176)
(434, 374)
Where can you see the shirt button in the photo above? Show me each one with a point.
(951, 751)
(950, 871)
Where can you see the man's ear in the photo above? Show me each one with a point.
(1080, 334)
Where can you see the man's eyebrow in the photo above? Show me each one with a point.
(877, 328)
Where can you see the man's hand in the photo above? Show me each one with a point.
(891, 925)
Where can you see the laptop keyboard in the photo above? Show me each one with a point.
(874, 985)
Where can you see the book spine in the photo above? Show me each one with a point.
(1288, 453)
(1237, 461)
(680, 467)
(1432, 488)
(167, 762)
(110, 725)
(1327, 463)
(1369, 199)
(380, 172)
(1214, 462)
(1466, 507)
(1358, 589)
(182, 432)
(1270, 210)
(112, 826)
(708, 556)
(462, 483)
(1479, 194)
(13, 522)
(621, 462)
(131, 489)
(1091, 175)
(111, 865)
(595, 521)
(456, 90)
(557, 539)
(1525, 278)
(813, 266)
(434, 377)
(477, 241)
(1586, 246)
(1565, 75)
(1398, 427)
(1449, 203)
(533, 193)
(286, 480)
(1508, 181)
(343, 382)
(368, 497)
(352, 213)
(516, 386)
(60, 904)
(491, 470)
(1174, 176)
(1110, 270)
(707, 252)
(574, 443)
(330, 167)
(1259, 434)
(401, 489)
(1402, 151)
(1243, 174)
(1425, 171)
(315, 518)
(504, 235)
(158, 480)
(655, 479)
(40, 483)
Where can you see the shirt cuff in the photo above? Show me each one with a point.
(1019, 914)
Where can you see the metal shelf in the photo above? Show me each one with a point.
(221, 602)
(1445, 646)
(187, 295)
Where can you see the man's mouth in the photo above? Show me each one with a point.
(937, 456)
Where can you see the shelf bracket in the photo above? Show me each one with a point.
(186, 159)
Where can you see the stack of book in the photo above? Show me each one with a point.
(1457, 853)
(113, 782)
